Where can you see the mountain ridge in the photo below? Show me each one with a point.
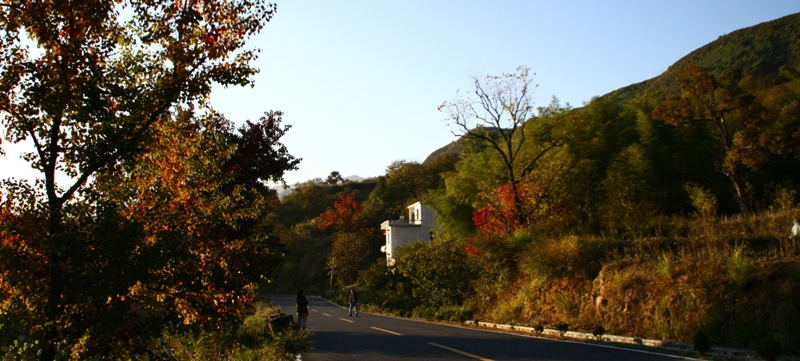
(759, 51)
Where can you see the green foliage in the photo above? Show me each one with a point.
(20, 350)
(630, 192)
(305, 202)
(760, 50)
(439, 272)
(388, 289)
(405, 183)
(304, 245)
(738, 266)
(351, 252)
(454, 218)
(297, 221)
(599, 331)
(664, 266)
(562, 327)
(784, 196)
(499, 114)
(703, 201)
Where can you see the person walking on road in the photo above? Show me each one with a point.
(353, 302)
(302, 310)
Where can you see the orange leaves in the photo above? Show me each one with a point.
(510, 209)
(346, 215)
(675, 111)
(196, 223)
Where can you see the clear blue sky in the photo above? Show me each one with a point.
(360, 81)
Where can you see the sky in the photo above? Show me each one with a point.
(360, 81)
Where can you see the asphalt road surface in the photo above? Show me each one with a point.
(380, 338)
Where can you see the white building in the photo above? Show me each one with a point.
(416, 228)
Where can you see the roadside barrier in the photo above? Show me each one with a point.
(664, 344)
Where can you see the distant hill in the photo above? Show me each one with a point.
(354, 178)
(759, 51)
(282, 193)
(452, 148)
(455, 147)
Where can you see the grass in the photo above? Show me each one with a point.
(664, 265)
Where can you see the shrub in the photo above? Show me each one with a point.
(738, 266)
(599, 331)
(664, 265)
(770, 348)
(566, 256)
(702, 343)
(248, 340)
(562, 327)
(453, 313)
(703, 200)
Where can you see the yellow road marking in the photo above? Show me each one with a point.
(346, 320)
(387, 331)
(326, 314)
(460, 352)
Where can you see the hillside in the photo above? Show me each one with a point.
(759, 51)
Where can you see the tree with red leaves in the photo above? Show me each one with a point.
(346, 215)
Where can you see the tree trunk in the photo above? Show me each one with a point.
(53, 308)
(739, 196)
(52, 311)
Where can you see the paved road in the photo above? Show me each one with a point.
(379, 338)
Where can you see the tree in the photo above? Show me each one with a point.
(260, 157)
(541, 198)
(628, 187)
(334, 178)
(407, 182)
(404, 183)
(331, 266)
(498, 113)
(90, 93)
(349, 253)
(439, 271)
(737, 117)
(346, 215)
(172, 234)
(201, 247)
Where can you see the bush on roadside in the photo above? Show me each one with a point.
(248, 339)
(702, 343)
